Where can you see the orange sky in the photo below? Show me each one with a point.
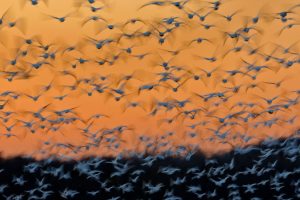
(71, 32)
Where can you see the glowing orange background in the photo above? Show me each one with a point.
(119, 11)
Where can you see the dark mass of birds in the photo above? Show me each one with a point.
(267, 171)
(204, 71)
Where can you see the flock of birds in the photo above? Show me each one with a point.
(268, 171)
(203, 71)
(220, 86)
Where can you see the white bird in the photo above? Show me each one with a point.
(68, 193)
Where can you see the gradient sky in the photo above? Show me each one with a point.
(118, 11)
